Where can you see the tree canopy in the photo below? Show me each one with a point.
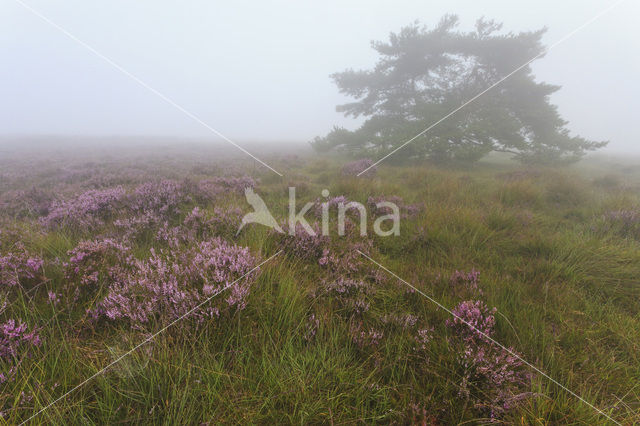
(423, 74)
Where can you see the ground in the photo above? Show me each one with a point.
(99, 252)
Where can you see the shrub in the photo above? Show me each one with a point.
(212, 188)
(356, 167)
(624, 222)
(33, 202)
(19, 267)
(85, 211)
(407, 211)
(492, 377)
(351, 294)
(159, 197)
(97, 261)
(15, 341)
(476, 314)
(168, 285)
(466, 283)
(302, 244)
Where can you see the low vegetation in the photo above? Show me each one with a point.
(98, 255)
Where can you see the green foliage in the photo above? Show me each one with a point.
(423, 74)
(566, 291)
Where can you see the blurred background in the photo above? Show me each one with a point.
(259, 71)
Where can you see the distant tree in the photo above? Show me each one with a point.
(423, 74)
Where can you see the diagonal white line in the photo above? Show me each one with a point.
(533, 367)
(562, 40)
(142, 83)
(148, 339)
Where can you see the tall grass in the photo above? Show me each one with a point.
(565, 289)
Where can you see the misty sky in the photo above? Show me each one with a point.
(260, 70)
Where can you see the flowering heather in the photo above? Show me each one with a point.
(364, 338)
(350, 294)
(32, 202)
(223, 222)
(355, 167)
(87, 210)
(302, 244)
(154, 291)
(235, 183)
(54, 298)
(630, 217)
(209, 190)
(93, 262)
(345, 286)
(407, 211)
(332, 203)
(476, 314)
(213, 188)
(625, 222)
(19, 266)
(423, 337)
(135, 226)
(466, 282)
(495, 373)
(311, 328)
(16, 340)
(403, 321)
(216, 264)
(196, 219)
(494, 378)
(160, 197)
(346, 259)
(168, 285)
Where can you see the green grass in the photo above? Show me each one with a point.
(565, 290)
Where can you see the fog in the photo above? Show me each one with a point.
(260, 70)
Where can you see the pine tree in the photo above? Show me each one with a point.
(423, 74)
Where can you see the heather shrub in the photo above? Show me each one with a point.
(209, 190)
(311, 328)
(197, 224)
(625, 223)
(332, 204)
(301, 244)
(213, 188)
(400, 321)
(161, 198)
(476, 314)
(352, 296)
(169, 284)
(365, 337)
(465, 284)
(21, 203)
(19, 267)
(344, 258)
(492, 377)
(422, 338)
(355, 167)
(407, 211)
(223, 222)
(16, 341)
(87, 210)
(96, 263)
(138, 226)
(235, 184)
